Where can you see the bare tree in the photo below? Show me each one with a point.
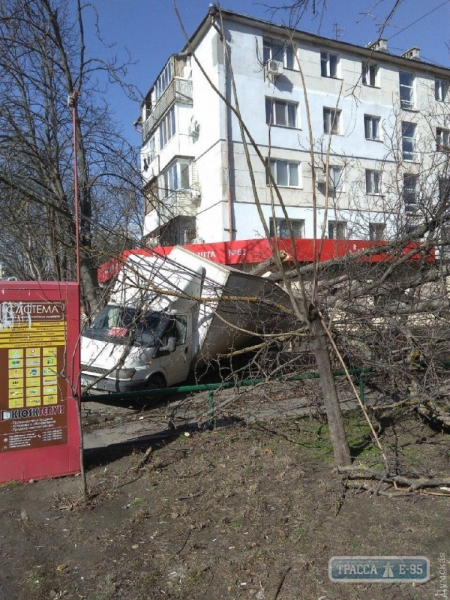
(340, 301)
(43, 59)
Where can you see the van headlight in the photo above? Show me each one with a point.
(122, 373)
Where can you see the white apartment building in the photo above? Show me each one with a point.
(378, 123)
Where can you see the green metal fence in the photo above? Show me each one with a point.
(212, 387)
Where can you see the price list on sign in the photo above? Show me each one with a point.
(32, 382)
(39, 375)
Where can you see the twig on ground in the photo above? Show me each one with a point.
(189, 496)
(280, 585)
(185, 542)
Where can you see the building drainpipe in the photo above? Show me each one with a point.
(228, 137)
(228, 143)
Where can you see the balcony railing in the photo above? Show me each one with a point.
(181, 203)
(179, 90)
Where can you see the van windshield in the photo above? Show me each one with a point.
(125, 325)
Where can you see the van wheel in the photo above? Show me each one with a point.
(154, 383)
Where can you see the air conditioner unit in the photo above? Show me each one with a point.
(194, 128)
(151, 242)
(274, 68)
(195, 195)
(320, 177)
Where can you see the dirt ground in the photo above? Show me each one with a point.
(244, 511)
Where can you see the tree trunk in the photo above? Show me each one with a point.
(330, 397)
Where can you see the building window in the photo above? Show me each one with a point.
(147, 108)
(377, 231)
(278, 50)
(335, 178)
(167, 128)
(440, 89)
(372, 127)
(281, 113)
(406, 90)
(151, 154)
(163, 81)
(444, 189)
(373, 182)
(410, 187)
(188, 232)
(176, 177)
(151, 197)
(329, 64)
(370, 74)
(337, 230)
(408, 141)
(442, 139)
(285, 173)
(331, 121)
(279, 228)
(151, 149)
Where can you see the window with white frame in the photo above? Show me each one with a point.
(406, 89)
(279, 50)
(163, 81)
(176, 177)
(372, 127)
(377, 231)
(335, 179)
(442, 138)
(167, 128)
(440, 89)
(281, 113)
(186, 230)
(329, 64)
(373, 182)
(279, 228)
(408, 141)
(337, 230)
(147, 108)
(331, 121)
(151, 154)
(370, 74)
(285, 173)
(410, 192)
(151, 196)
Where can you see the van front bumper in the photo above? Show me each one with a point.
(111, 385)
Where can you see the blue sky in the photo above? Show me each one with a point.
(150, 31)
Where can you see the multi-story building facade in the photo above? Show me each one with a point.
(371, 122)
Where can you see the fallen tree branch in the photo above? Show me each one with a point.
(412, 484)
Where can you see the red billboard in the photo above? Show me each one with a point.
(39, 370)
(240, 252)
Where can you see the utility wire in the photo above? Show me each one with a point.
(419, 19)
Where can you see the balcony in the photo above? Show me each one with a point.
(181, 203)
(179, 90)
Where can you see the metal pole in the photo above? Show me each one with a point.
(72, 102)
(211, 410)
(361, 388)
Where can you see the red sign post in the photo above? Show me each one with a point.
(39, 370)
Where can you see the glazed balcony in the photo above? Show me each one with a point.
(179, 90)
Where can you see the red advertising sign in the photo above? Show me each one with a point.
(240, 252)
(39, 367)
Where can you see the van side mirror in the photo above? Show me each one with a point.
(171, 344)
